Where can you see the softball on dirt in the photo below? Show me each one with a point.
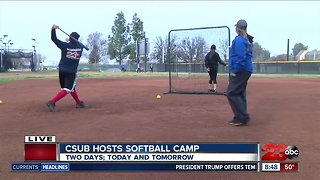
(158, 96)
(1, 102)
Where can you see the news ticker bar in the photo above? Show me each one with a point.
(69, 167)
(230, 166)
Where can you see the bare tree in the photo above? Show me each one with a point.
(192, 50)
(98, 48)
(224, 48)
(200, 49)
(160, 49)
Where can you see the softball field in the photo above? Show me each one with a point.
(125, 109)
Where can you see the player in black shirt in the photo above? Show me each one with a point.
(212, 61)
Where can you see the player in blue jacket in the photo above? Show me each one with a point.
(240, 66)
(68, 65)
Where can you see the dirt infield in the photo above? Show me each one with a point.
(126, 110)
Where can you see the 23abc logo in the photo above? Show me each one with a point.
(279, 152)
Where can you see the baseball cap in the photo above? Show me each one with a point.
(241, 24)
(75, 35)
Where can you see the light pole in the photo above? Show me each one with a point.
(1, 56)
(34, 42)
(5, 47)
(5, 44)
(2, 40)
(34, 45)
(33, 64)
(1, 61)
(10, 44)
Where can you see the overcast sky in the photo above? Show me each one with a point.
(270, 22)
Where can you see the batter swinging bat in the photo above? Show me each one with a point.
(85, 47)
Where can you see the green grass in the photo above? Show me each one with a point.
(6, 80)
(89, 74)
(14, 76)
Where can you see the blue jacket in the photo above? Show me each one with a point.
(240, 55)
(70, 54)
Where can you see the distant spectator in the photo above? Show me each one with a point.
(151, 67)
(123, 68)
(138, 68)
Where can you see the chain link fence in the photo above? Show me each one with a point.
(280, 67)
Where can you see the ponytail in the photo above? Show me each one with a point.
(242, 33)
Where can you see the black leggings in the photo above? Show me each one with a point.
(213, 75)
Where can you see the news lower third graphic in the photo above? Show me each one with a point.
(44, 154)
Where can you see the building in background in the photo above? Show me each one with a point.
(308, 55)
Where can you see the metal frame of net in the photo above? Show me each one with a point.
(187, 72)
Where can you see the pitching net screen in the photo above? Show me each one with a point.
(17, 60)
(186, 54)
